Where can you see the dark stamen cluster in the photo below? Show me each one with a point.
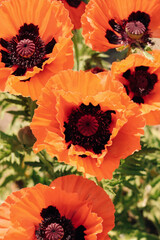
(55, 227)
(88, 126)
(133, 31)
(74, 3)
(140, 82)
(25, 50)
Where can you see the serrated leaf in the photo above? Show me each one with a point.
(17, 113)
(14, 101)
(8, 179)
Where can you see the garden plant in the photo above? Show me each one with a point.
(79, 120)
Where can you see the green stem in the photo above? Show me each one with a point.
(99, 183)
(32, 106)
(75, 42)
(47, 164)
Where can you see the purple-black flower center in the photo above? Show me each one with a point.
(57, 227)
(132, 31)
(74, 3)
(88, 126)
(54, 231)
(25, 50)
(135, 28)
(140, 83)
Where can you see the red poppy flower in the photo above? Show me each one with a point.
(109, 24)
(141, 80)
(70, 208)
(35, 44)
(87, 121)
(76, 8)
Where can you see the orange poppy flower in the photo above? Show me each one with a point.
(87, 121)
(35, 41)
(108, 24)
(76, 8)
(70, 208)
(141, 79)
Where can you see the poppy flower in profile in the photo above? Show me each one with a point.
(87, 121)
(141, 80)
(35, 43)
(109, 24)
(70, 208)
(76, 8)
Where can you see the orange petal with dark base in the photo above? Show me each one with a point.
(151, 105)
(95, 20)
(22, 209)
(68, 90)
(45, 15)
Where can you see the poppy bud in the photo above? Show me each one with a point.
(26, 137)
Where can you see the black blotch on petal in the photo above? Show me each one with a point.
(115, 26)
(50, 211)
(98, 148)
(138, 99)
(140, 16)
(74, 3)
(143, 68)
(67, 134)
(29, 29)
(83, 156)
(112, 37)
(4, 43)
(49, 47)
(127, 74)
(126, 88)
(26, 80)
(79, 233)
(40, 64)
(19, 71)
(5, 59)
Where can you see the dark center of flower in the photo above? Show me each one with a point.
(54, 231)
(132, 31)
(57, 227)
(88, 126)
(140, 82)
(25, 50)
(135, 27)
(74, 3)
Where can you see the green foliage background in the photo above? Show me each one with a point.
(135, 186)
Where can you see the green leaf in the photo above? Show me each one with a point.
(33, 164)
(17, 113)
(148, 56)
(14, 101)
(129, 234)
(8, 179)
